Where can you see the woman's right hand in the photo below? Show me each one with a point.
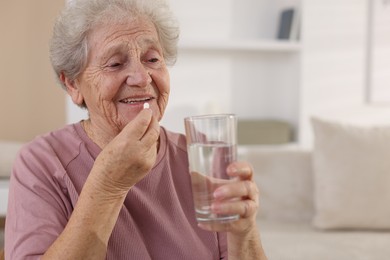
(129, 156)
(122, 163)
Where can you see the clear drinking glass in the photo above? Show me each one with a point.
(212, 146)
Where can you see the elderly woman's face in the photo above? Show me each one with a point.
(125, 69)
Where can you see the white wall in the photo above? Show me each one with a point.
(333, 71)
(379, 80)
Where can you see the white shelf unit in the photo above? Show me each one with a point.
(239, 45)
(231, 62)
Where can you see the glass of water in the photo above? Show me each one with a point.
(212, 146)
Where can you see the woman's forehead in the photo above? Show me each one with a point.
(124, 35)
(132, 26)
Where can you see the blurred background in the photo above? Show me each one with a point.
(274, 63)
(232, 59)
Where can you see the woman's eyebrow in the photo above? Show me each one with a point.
(113, 49)
(124, 47)
(150, 42)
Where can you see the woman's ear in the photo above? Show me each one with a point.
(73, 89)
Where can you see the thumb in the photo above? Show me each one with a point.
(137, 127)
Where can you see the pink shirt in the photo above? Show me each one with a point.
(157, 220)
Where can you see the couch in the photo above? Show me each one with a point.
(326, 202)
(8, 151)
(330, 201)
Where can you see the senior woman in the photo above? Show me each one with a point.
(117, 186)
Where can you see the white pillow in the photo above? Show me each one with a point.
(8, 152)
(351, 176)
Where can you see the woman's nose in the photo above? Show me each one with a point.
(138, 76)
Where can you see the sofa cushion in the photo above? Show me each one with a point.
(283, 174)
(351, 175)
(263, 132)
(8, 151)
(300, 241)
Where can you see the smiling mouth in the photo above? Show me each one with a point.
(133, 101)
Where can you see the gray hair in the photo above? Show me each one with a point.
(69, 48)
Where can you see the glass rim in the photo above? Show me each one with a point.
(210, 116)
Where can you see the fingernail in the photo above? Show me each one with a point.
(233, 170)
(219, 193)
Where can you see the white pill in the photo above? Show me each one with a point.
(146, 105)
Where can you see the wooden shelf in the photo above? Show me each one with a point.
(240, 45)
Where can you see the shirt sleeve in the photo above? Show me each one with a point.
(38, 204)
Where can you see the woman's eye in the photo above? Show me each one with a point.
(113, 65)
(153, 60)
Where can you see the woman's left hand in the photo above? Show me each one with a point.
(240, 197)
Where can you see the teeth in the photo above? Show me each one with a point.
(133, 101)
